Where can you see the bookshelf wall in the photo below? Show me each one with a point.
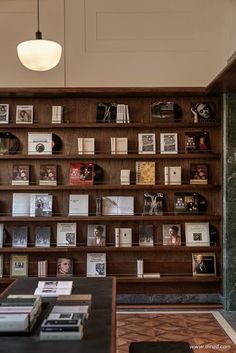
(174, 263)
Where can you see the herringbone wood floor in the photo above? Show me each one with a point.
(201, 330)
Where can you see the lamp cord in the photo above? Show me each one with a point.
(38, 34)
(38, 13)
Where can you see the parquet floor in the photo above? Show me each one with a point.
(202, 330)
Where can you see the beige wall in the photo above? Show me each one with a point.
(121, 43)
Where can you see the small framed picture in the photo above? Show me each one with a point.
(1, 266)
(24, 114)
(169, 143)
(197, 234)
(64, 267)
(146, 143)
(4, 113)
(204, 264)
(171, 234)
(19, 266)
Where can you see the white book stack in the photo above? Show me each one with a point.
(119, 145)
(122, 115)
(57, 114)
(42, 268)
(125, 177)
(86, 145)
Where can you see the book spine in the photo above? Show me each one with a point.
(166, 175)
(127, 120)
(98, 206)
(80, 145)
(138, 172)
(139, 267)
(113, 145)
(117, 237)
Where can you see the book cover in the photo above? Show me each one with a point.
(117, 205)
(66, 234)
(145, 173)
(96, 265)
(125, 237)
(198, 142)
(106, 112)
(48, 174)
(64, 267)
(171, 234)
(168, 143)
(4, 113)
(57, 114)
(153, 204)
(81, 173)
(189, 202)
(20, 175)
(198, 174)
(1, 235)
(24, 114)
(42, 236)
(20, 237)
(39, 143)
(119, 145)
(172, 175)
(86, 145)
(21, 204)
(19, 265)
(78, 205)
(41, 205)
(96, 235)
(146, 234)
(146, 143)
(197, 234)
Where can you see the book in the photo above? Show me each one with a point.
(165, 111)
(4, 113)
(24, 114)
(48, 174)
(198, 174)
(1, 266)
(198, 142)
(171, 234)
(66, 234)
(96, 265)
(153, 203)
(172, 175)
(53, 288)
(145, 173)
(117, 205)
(168, 143)
(146, 234)
(81, 173)
(41, 205)
(78, 205)
(146, 143)
(20, 175)
(42, 268)
(189, 202)
(119, 145)
(42, 236)
(106, 112)
(86, 145)
(125, 237)
(19, 265)
(39, 143)
(125, 177)
(2, 233)
(64, 267)
(20, 237)
(197, 234)
(21, 204)
(17, 322)
(57, 114)
(96, 235)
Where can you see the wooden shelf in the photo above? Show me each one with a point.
(170, 279)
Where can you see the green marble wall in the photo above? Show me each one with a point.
(229, 202)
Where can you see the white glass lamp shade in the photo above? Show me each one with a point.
(39, 54)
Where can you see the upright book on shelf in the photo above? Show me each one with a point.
(20, 237)
(172, 175)
(146, 143)
(40, 143)
(48, 174)
(20, 174)
(66, 234)
(198, 174)
(81, 173)
(153, 204)
(4, 113)
(146, 234)
(86, 145)
(119, 145)
(78, 205)
(24, 114)
(125, 237)
(41, 205)
(96, 235)
(42, 236)
(145, 173)
(171, 234)
(96, 265)
(197, 142)
(117, 205)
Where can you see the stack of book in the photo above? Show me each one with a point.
(53, 288)
(18, 313)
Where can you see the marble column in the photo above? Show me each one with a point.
(229, 202)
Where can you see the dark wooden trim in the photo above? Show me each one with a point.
(159, 307)
(113, 341)
(225, 81)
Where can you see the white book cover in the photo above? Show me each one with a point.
(39, 143)
(119, 145)
(40, 205)
(57, 112)
(21, 204)
(52, 292)
(120, 113)
(125, 236)
(173, 175)
(147, 143)
(1, 235)
(169, 143)
(117, 205)
(24, 114)
(66, 234)
(197, 234)
(86, 145)
(55, 284)
(78, 205)
(96, 265)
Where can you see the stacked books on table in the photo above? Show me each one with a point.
(53, 288)
(18, 313)
(66, 319)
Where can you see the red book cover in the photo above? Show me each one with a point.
(81, 173)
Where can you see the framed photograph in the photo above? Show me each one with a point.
(1, 266)
(24, 114)
(204, 264)
(64, 267)
(171, 234)
(197, 234)
(19, 266)
(4, 113)
(20, 237)
(146, 143)
(169, 143)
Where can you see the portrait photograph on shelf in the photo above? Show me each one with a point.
(171, 234)
(24, 114)
(4, 113)
(204, 264)
(64, 267)
(96, 235)
(203, 112)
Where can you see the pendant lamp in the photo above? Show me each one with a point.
(39, 54)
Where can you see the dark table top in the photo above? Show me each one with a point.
(99, 330)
